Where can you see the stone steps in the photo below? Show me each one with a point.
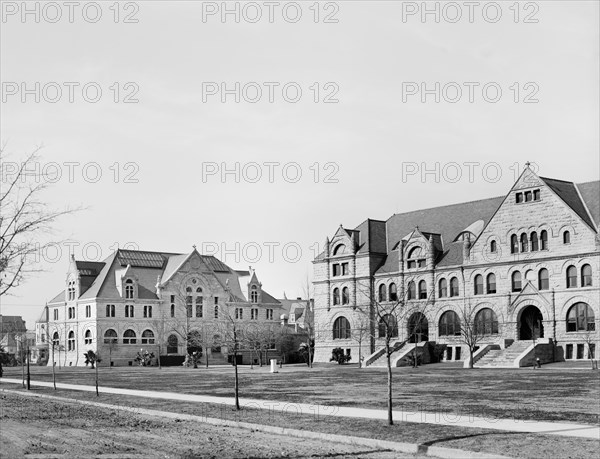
(503, 358)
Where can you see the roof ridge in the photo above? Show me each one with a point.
(557, 180)
(446, 205)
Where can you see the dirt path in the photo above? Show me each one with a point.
(48, 429)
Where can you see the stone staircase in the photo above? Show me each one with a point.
(381, 360)
(503, 358)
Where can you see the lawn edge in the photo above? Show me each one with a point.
(411, 448)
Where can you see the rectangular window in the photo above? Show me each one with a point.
(536, 195)
(88, 311)
(199, 306)
(519, 198)
(580, 348)
(188, 305)
(269, 314)
(569, 351)
(336, 270)
(254, 314)
(345, 269)
(457, 353)
(528, 196)
(56, 314)
(411, 264)
(239, 313)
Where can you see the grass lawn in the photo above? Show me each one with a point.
(542, 395)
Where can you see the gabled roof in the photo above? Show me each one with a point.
(567, 191)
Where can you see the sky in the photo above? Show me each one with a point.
(254, 137)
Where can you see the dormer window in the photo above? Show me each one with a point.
(340, 249)
(416, 258)
(129, 289)
(254, 294)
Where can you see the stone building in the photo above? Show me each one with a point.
(167, 303)
(525, 266)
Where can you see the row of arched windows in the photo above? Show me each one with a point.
(413, 293)
(586, 276)
(490, 284)
(580, 317)
(345, 298)
(443, 288)
(529, 243)
(388, 293)
(129, 337)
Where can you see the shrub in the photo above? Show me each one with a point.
(338, 355)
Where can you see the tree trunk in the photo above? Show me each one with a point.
(96, 380)
(159, 364)
(53, 373)
(470, 357)
(389, 374)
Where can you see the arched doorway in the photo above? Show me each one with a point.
(531, 326)
(418, 328)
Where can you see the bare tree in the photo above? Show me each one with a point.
(309, 319)
(590, 337)
(231, 336)
(359, 333)
(471, 333)
(24, 218)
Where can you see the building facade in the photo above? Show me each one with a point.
(526, 265)
(170, 304)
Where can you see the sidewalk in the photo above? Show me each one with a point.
(439, 418)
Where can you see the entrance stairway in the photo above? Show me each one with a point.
(401, 350)
(503, 358)
(378, 358)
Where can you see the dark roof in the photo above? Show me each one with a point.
(445, 221)
(140, 259)
(590, 192)
(567, 191)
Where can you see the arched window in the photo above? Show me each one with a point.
(412, 291)
(388, 324)
(566, 237)
(580, 317)
(129, 337)
(514, 244)
(571, 277)
(341, 328)
(147, 337)
(55, 339)
(393, 292)
(478, 285)
(422, 290)
(336, 296)
(543, 280)
(71, 341)
(454, 291)
(254, 294)
(345, 295)
(491, 283)
(516, 281)
(524, 243)
(493, 247)
(88, 337)
(382, 293)
(544, 240)
(586, 276)
(340, 249)
(110, 337)
(486, 322)
(129, 289)
(449, 324)
(416, 258)
(535, 246)
(443, 288)
(172, 344)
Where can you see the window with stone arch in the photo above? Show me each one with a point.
(382, 293)
(336, 296)
(516, 282)
(345, 295)
(147, 337)
(129, 289)
(566, 237)
(129, 337)
(254, 294)
(514, 244)
(388, 324)
(454, 290)
(580, 317)
(172, 344)
(524, 243)
(571, 277)
(422, 290)
(341, 328)
(110, 336)
(416, 258)
(339, 249)
(478, 285)
(412, 291)
(586, 276)
(55, 339)
(71, 341)
(486, 322)
(543, 279)
(443, 288)
(493, 246)
(449, 324)
(87, 337)
(535, 246)
(393, 292)
(544, 240)
(490, 283)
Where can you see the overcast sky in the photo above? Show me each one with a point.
(369, 147)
